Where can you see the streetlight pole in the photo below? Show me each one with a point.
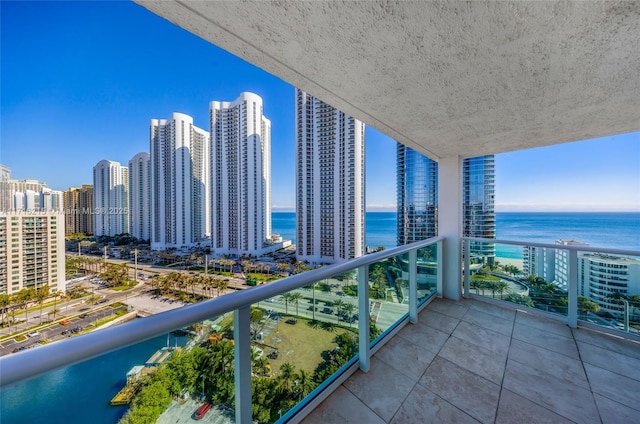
(135, 266)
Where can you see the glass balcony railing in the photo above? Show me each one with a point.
(264, 354)
(572, 282)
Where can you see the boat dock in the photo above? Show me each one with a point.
(124, 396)
(159, 357)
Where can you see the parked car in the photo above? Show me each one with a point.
(291, 321)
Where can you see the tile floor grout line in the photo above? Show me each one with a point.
(504, 373)
(586, 374)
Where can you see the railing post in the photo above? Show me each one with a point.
(413, 286)
(467, 265)
(572, 289)
(626, 315)
(364, 318)
(440, 262)
(242, 351)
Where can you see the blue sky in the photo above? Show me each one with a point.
(81, 80)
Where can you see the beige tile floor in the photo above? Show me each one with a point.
(470, 361)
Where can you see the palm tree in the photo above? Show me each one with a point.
(25, 296)
(295, 298)
(348, 310)
(339, 304)
(221, 285)
(285, 379)
(287, 298)
(501, 287)
(304, 384)
(5, 301)
(299, 267)
(40, 295)
(283, 267)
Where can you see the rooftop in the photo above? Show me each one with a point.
(471, 361)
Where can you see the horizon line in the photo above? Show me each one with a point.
(375, 210)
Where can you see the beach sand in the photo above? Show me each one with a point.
(510, 261)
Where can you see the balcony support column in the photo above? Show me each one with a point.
(413, 286)
(450, 224)
(364, 318)
(242, 351)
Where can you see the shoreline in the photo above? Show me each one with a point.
(510, 261)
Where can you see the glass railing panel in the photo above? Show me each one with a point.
(164, 379)
(299, 340)
(388, 292)
(518, 274)
(609, 290)
(427, 272)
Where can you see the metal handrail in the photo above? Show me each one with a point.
(28, 364)
(581, 248)
(572, 275)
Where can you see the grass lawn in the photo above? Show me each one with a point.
(300, 344)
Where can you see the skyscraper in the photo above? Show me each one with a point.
(140, 196)
(13, 192)
(110, 198)
(417, 191)
(33, 251)
(330, 178)
(78, 209)
(179, 180)
(478, 183)
(417, 195)
(240, 176)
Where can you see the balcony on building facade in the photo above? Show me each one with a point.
(394, 350)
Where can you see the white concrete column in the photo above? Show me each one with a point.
(450, 224)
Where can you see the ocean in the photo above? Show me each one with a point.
(81, 393)
(619, 230)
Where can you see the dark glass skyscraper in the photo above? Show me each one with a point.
(417, 191)
(417, 194)
(478, 184)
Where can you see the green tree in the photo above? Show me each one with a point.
(5, 301)
(348, 309)
(283, 267)
(304, 384)
(295, 299)
(40, 295)
(24, 297)
(520, 300)
(299, 267)
(287, 298)
(285, 379)
(586, 306)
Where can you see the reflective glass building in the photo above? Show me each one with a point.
(417, 191)
(417, 195)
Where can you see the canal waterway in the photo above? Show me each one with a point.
(80, 393)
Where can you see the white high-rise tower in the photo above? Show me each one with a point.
(110, 198)
(179, 181)
(240, 176)
(330, 178)
(140, 196)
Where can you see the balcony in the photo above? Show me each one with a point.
(403, 354)
(472, 361)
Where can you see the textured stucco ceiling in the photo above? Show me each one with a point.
(446, 78)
